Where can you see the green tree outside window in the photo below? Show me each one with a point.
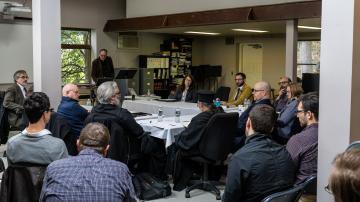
(75, 55)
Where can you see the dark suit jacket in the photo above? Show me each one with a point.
(13, 103)
(99, 70)
(245, 115)
(191, 95)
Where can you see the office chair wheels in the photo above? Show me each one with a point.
(187, 195)
(218, 197)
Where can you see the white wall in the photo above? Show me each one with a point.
(15, 50)
(137, 8)
(214, 51)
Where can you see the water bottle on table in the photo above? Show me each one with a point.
(177, 115)
(88, 102)
(160, 114)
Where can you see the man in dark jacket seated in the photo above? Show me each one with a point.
(186, 143)
(125, 133)
(261, 167)
(70, 109)
(261, 94)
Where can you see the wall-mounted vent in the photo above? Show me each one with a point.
(128, 40)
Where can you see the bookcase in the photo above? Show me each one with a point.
(154, 74)
(180, 52)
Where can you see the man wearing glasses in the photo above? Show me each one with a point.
(70, 109)
(241, 92)
(102, 67)
(14, 100)
(282, 98)
(261, 94)
(303, 147)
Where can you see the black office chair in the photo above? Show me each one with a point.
(354, 145)
(215, 145)
(223, 93)
(293, 194)
(22, 182)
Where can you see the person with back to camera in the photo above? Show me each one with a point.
(35, 144)
(186, 91)
(344, 181)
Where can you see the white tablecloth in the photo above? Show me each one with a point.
(167, 129)
(152, 107)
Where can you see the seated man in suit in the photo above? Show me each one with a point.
(35, 144)
(241, 92)
(70, 109)
(261, 167)
(88, 176)
(261, 93)
(186, 143)
(14, 100)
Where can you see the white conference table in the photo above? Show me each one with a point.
(166, 129)
(152, 107)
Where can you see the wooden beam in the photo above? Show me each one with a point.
(298, 10)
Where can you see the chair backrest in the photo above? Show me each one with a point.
(310, 185)
(22, 182)
(223, 93)
(354, 145)
(218, 137)
(123, 147)
(59, 127)
(293, 194)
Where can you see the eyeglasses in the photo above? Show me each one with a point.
(299, 111)
(254, 90)
(50, 110)
(327, 189)
(283, 82)
(239, 79)
(23, 77)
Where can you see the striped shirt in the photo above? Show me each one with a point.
(88, 177)
(303, 148)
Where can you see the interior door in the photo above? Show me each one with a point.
(251, 59)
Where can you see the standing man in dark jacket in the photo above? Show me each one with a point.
(102, 66)
(70, 109)
(14, 100)
(261, 167)
(261, 93)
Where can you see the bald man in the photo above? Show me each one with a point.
(261, 94)
(70, 109)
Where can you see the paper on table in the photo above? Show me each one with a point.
(166, 124)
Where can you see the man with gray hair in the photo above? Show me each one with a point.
(88, 176)
(261, 94)
(125, 131)
(14, 100)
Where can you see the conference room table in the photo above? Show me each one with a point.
(166, 129)
(168, 108)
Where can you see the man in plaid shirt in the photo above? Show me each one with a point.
(89, 176)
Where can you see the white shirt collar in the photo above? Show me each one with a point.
(22, 89)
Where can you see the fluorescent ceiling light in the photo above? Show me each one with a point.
(308, 27)
(250, 30)
(19, 9)
(204, 33)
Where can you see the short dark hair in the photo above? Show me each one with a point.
(262, 118)
(241, 74)
(344, 181)
(95, 136)
(18, 73)
(35, 105)
(310, 102)
(103, 49)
